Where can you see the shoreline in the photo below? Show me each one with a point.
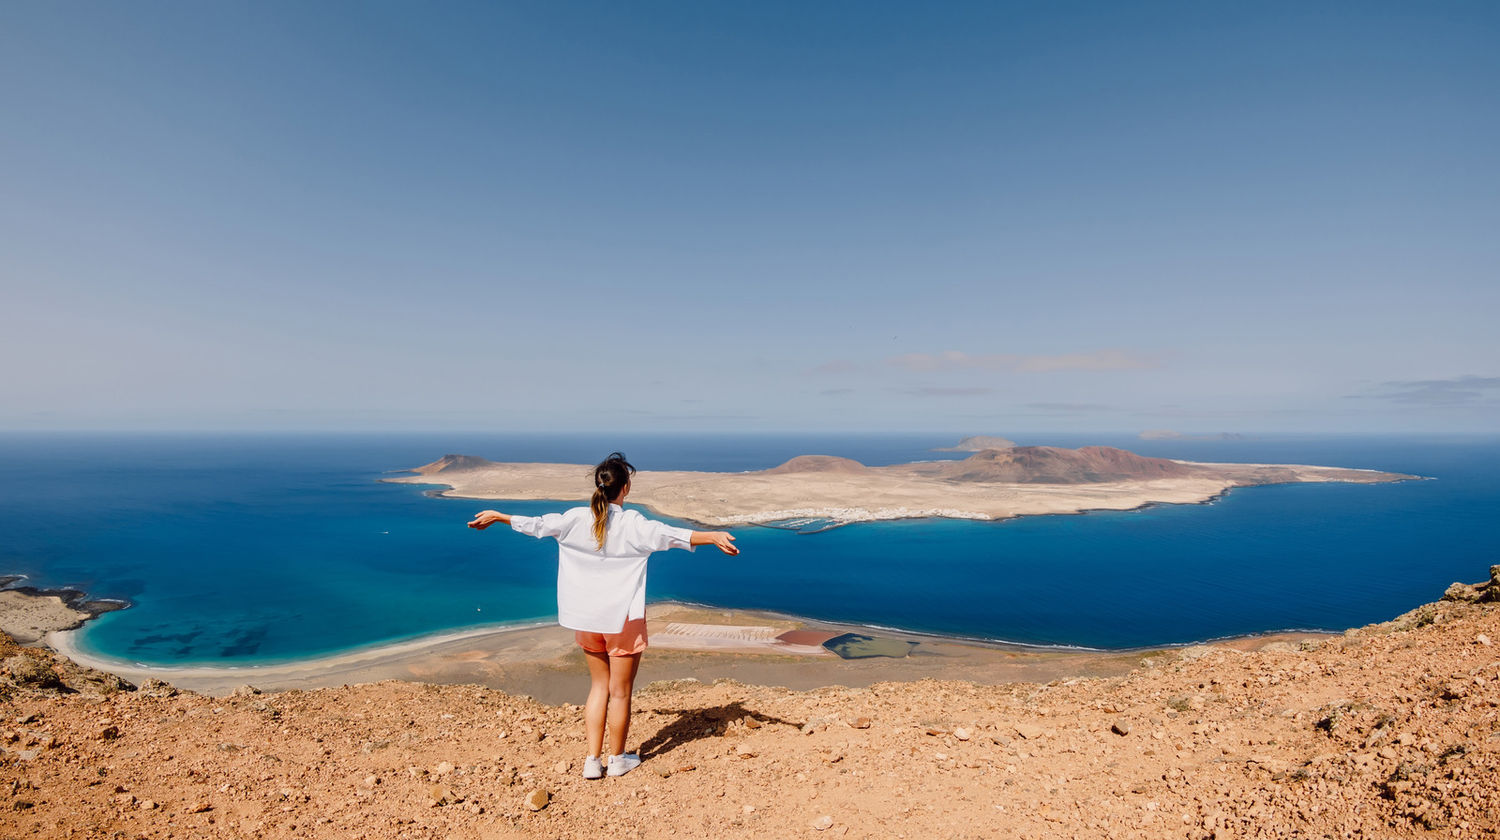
(542, 661)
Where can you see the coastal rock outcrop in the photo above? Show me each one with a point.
(1480, 593)
(35, 672)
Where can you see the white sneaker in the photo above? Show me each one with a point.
(593, 768)
(623, 763)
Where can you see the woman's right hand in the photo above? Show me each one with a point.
(486, 518)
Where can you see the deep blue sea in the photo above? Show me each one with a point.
(250, 548)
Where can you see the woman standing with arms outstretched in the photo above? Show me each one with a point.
(601, 595)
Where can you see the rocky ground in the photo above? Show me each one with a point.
(1392, 730)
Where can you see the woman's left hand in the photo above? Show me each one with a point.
(725, 541)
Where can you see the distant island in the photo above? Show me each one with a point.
(978, 443)
(1168, 434)
(990, 484)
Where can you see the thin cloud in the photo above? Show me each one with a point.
(1098, 360)
(1459, 390)
(945, 392)
(836, 392)
(836, 366)
(1067, 407)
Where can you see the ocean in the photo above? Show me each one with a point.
(252, 548)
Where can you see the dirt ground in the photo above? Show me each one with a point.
(1389, 731)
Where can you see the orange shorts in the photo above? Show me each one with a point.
(630, 640)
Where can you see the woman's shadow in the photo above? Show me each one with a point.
(693, 724)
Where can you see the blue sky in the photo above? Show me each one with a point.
(764, 216)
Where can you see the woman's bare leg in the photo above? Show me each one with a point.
(593, 710)
(621, 683)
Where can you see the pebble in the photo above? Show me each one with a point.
(861, 723)
(1120, 727)
(823, 823)
(1482, 639)
(963, 733)
(561, 767)
(442, 768)
(537, 800)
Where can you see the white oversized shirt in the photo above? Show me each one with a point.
(598, 591)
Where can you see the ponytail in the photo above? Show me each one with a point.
(599, 504)
(611, 477)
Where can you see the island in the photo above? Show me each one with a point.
(991, 484)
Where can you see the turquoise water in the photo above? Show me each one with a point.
(253, 548)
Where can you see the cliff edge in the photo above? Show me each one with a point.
(1391, 730)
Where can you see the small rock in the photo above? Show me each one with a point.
(246, 691)
(109, 733)
(1028, 731)
(748, 809)
(746, 752)
(823, 823)
(148, 805)
(442, 768)
(439, 795)
(561, 767)
(963, 733)
(372, 781)
(1120, 727)
(861, 723)
(152, 687)
(538, 799)
(1482, 639)
(752, 723)
(936, 729)
(198, 808)
(662, 770)
(27, 718)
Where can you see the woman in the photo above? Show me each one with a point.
(601, 595)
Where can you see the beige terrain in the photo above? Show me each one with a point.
(544, 662)
(1392, 730)
(991, 484)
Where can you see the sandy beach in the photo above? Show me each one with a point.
(543, 661)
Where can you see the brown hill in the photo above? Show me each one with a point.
(1054, 465)
(818, 464)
